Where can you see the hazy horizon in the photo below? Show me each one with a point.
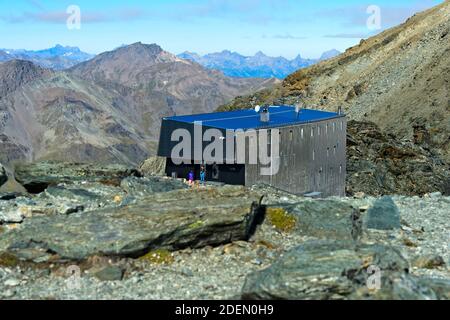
(176, 53)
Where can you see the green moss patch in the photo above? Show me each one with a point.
(8, 260)
(281, 219)
(197, 224)
(158, 256)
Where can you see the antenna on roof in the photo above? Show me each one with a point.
(298, 107)
(264, 115)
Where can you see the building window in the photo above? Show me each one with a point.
(291, 135)
(314, 155)
(334, 126)
(318, 131)
(334, 150)
(328, 152)
(312, 132)
(301, 133)
(342, 125)
(340, 169)
(326, 128)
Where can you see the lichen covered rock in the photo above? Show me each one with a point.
(339, 270)
(153, 166)
(163, 220)
(36, 177)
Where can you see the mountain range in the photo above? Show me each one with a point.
(232, 64)
(398, 79)
(260, 65)
(107, 109)
(57, 58)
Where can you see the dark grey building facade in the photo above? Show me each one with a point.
(311, 156)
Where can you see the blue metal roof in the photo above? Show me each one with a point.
(249, 119)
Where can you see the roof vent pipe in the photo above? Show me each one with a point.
(264, 115)
(298, 109)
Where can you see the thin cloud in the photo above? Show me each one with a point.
(286, 36)
(356, 16)
(60, 17)
(36, 4)
(347, 36)
(259, 12)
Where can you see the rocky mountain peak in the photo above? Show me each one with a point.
(16, 73)
(153, 48)
(329, 54)
(124, 64)
(260, 54)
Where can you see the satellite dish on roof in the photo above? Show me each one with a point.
(257, 109)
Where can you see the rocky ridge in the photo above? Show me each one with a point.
(379, 163)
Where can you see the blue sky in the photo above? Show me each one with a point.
(276, 27)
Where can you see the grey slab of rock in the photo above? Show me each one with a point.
(72, 194)
(14, 215)
(3, 175)
(440, 286)
(79, 196)
(33, 254)
(70, 200)
(35, 177)
(335, 270)
(153, 166)
(323, 218)
(140, 187)
(172, 220)
(8, 293)
(12, 282)
(6, 196)
(429, 261)
(111, 273)
(383, 215)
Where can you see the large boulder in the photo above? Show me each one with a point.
(141, 187)
(170, 220)
(337, 270)
(3, 176)
(69, 198)
(153, 166)
(323, 219)
(36, 177)
(383, 215)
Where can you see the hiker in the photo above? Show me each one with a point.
(191, 177)
(202, 174)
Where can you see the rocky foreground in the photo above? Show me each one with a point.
(91, 232)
